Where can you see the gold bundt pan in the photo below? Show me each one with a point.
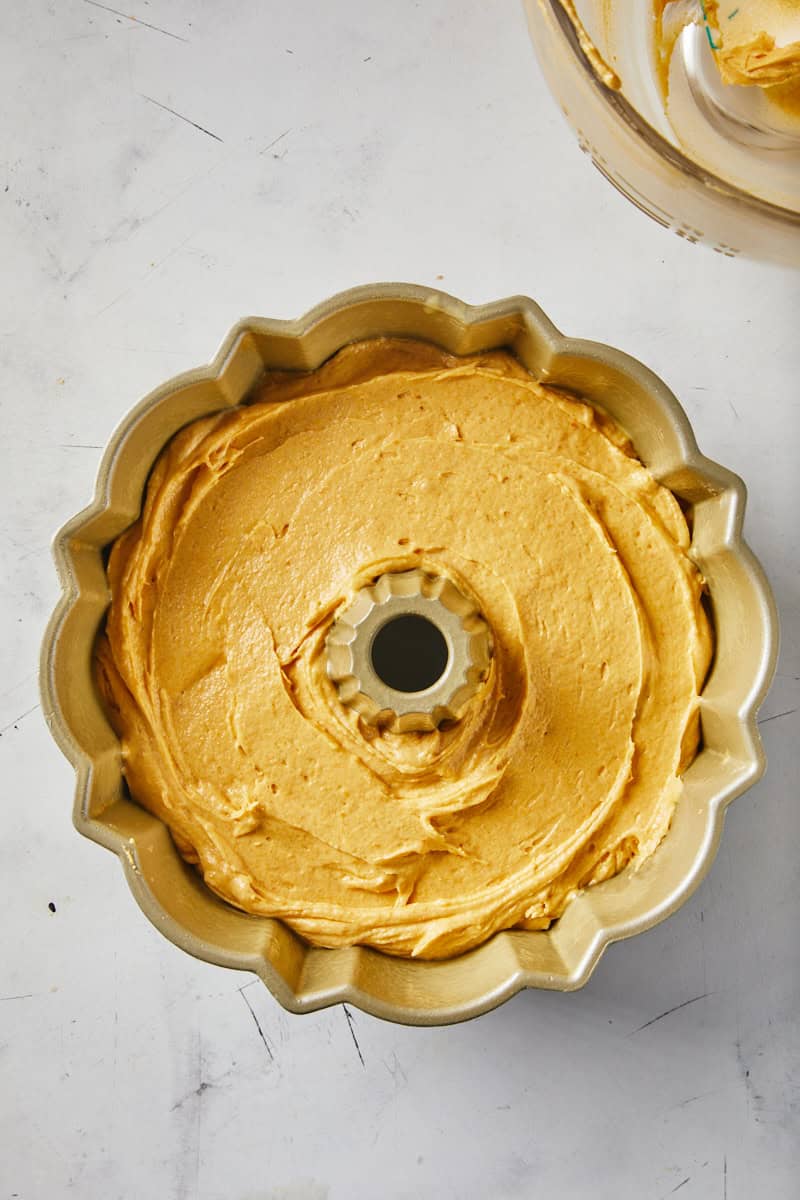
(305, 978)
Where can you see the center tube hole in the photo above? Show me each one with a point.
(409, 653)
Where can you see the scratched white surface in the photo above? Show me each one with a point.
(321, 145)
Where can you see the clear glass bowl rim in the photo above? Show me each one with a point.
(620, 107)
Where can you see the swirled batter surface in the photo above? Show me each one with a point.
(258, 526)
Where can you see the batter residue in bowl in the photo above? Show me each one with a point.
(754, 44)
(259, 526)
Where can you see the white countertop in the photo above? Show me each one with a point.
(318, 146)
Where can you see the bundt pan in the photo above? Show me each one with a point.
(731, 758)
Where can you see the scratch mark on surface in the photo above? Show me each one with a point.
(669, 1011)
(29, 554)
(348, 1014)
(180, 116)
(79, 37)
(261, 1033)
(275, 141)
(14, 686)
(24, 996)
(198, 1091)
(777, 716)
(725, 1177)
(142, 278)
(11, 724)
(691, 1099)
(732, 407)
(146, 350)
(678, 1186)
(198, 1115)
(78, 446)
(396, 1070)
(136, 20)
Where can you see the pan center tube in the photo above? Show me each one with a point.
(409, 652)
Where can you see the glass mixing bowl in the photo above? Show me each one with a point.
(726, 183)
